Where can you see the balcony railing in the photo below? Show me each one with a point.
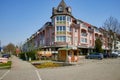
(84, 26)
(60, 22)
(61, 32)
(90, 30)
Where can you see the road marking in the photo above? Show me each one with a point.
(38, 74)
(1, 78)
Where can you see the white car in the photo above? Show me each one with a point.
(117, 53)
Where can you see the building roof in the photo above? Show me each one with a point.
(62, 9)
(63, 4)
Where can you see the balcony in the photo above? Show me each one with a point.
(75, 25)
(84, 26)
(97, 30)
(60, 22)
(61, 32)
(90, 30)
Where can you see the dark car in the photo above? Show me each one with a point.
(106, 55)
(95, 56)
(5, 55)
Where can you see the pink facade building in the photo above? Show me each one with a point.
(65, 30)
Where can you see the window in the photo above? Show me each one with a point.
(68, 28)
(53, 21)
(69, 53)
(60, 8)
(69, 9)
(57, 18)
(68, 19)
(69, 39)
(84, 34)
(61, 28)
(61, 18)
(58, 28)
(97, 30)
(61, 38)
(84, 40)
(64, 18)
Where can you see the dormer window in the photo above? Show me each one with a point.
(60, 8)
(69, 9)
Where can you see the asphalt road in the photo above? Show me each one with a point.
(107, 69)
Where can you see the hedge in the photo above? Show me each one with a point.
(28, 55)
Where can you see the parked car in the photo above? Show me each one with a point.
(95, 56)
(118, 54)
(114, 55)
(5, 55)
(106, 55)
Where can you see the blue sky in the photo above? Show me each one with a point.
(19, 19)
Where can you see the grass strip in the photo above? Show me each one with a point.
(5, 65)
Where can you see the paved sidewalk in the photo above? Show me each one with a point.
(21, 70)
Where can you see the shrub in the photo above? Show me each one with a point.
(27, 55)
(31, 55)
(22, 56)
(47, 64)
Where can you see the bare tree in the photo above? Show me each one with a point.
(112, 26)
(9, 48)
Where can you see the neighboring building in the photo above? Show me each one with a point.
(17, 51)
(65, 30)
(118, 45)
(115, 42)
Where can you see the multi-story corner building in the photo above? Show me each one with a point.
(65, 30)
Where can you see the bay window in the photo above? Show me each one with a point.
(61, 38)
(61, 28)
(83, 40)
